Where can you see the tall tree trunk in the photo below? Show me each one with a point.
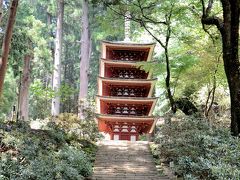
(57, 60)
(1, 10)
(24, 91)
(230, 38)
(85, 58)
(51, 33)
(49, 75)
(7, 42)
(167, 82)
(229, 29)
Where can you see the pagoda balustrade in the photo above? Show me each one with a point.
(130, 73)
(127, 109)
(128, 91)
(127, 55)
(121, 127)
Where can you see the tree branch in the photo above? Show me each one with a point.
(168, 20)
(146, 17)
(210, 20)
(157, 39)
(209, 8)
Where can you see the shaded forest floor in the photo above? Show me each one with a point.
(197, 149)
(192, 147)
(40, 154)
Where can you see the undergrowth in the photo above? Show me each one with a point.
(49, 153)
(197, 150)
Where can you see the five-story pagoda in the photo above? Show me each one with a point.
(124, 101)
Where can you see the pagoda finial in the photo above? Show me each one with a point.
(127, 26)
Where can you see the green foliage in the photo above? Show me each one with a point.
(71, 123)
(35, 30)
(108, 25)
(44, 154)
(8, 98)
(40, 99)
(48, 93)
(198, 150)
(40, 91)
(66, 91)
(41, 96)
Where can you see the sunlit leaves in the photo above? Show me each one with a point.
(9, 95)
(48, 93)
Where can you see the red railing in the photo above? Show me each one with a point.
(126, 55)
(128, 73)
(125, 91)
(127, 109)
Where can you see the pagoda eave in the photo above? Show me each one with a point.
(123, 118)
(121, 62)
(108, 63)
(104, 121)
(150, 102)
(104, 83)
(147, 47)
(123, 99)
(135, 100)
(131, 44)
(127, 80)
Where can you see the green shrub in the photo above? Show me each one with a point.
(44, 154)
(199, 150)
(73, 125)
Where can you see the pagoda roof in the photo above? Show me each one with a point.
(126, 82)
(103, 118)
(122, 45)
(131, 81)
(121, 62)
(128, 43)
(123, 118)
(129, 99)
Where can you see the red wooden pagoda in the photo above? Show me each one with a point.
(124, 101)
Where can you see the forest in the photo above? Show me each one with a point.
(48, 82)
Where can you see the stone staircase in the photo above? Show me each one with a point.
(125, 160)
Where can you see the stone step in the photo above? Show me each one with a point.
(120, 160)
(123, 150)
(129, 178)
(125, 168)
(124, 160)
(117, 166)
(129, 175)
(132, 168)
(130, 160)
(126, 172)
